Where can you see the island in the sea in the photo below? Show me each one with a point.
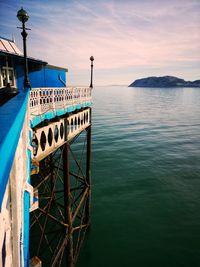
(164, 82)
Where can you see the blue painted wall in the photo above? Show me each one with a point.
(52, 77)
(43, 76)
(40, 73)
(19, 75)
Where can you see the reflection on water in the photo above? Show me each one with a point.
(146, 178)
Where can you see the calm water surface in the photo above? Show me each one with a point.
(146, 178)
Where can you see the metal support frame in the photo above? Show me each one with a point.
(88, 172)
(67, 205)
(59, 225)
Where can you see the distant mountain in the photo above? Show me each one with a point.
(165, 81)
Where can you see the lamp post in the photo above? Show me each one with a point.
(91, 59)
(22, 16)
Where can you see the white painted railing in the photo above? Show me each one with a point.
(49, 99)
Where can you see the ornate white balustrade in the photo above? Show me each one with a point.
(43, 100)
(48, 138)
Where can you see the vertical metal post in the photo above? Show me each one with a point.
(91, 78)
(23, 17)
(67, 206)
(88, 173)
(52, 172)
(24, 35)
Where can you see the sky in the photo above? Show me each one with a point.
(129, 39)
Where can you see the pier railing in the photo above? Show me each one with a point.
(50, 99)
(47, 139)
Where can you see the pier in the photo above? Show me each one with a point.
(45, 179)
(45, 158)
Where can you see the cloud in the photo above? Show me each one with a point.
(120, 34)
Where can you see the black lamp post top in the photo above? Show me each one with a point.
(22, 15)
(92, 58)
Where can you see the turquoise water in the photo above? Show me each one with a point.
(146, 178)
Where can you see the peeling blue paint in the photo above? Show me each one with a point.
(27, 214)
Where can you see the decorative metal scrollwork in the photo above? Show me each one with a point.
(49, 99)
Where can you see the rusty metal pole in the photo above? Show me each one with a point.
(52, 171)
(88, 173)
(67, 206)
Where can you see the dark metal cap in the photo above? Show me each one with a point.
(22, 15)
(92, 58)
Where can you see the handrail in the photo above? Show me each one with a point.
(50, 99)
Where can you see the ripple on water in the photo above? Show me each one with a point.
(146, 178)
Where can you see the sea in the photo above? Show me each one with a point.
(145, 178)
